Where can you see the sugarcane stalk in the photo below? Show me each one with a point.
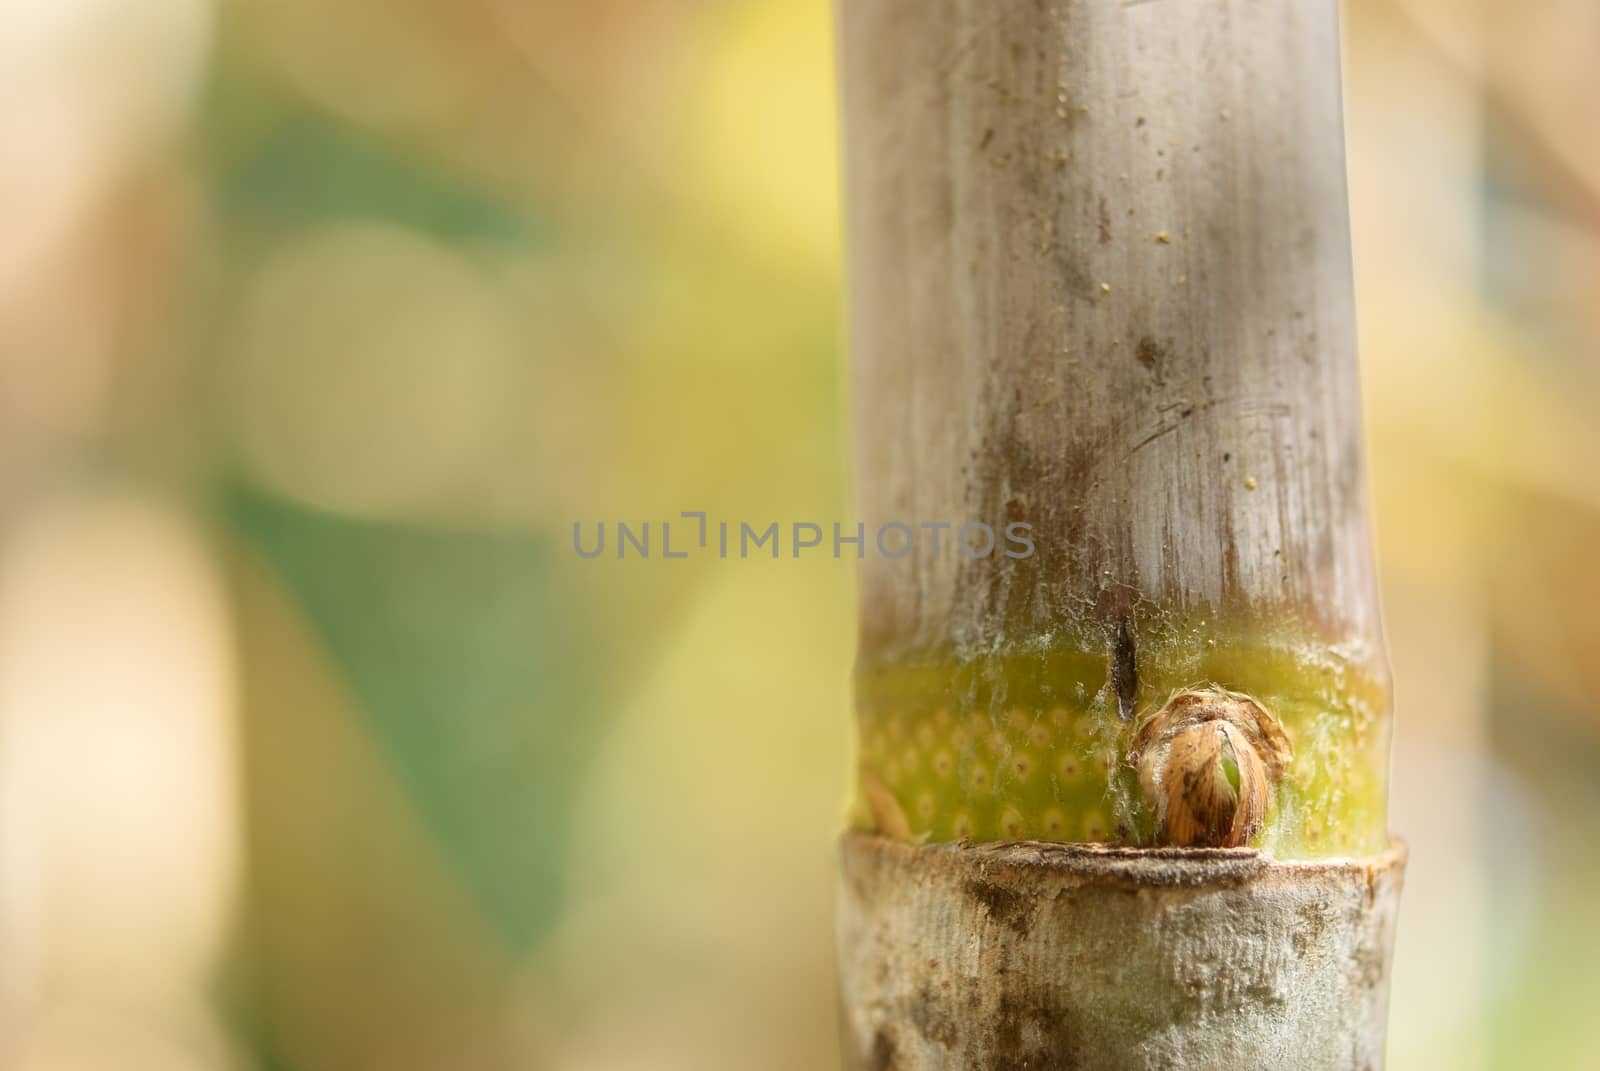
(1101, 301)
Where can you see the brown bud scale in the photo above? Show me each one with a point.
(1208, 763)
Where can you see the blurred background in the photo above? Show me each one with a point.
(321, 322)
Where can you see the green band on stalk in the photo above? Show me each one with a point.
(1034, 746)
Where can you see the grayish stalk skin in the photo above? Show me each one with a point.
(1033, 955)
(1100, 281)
